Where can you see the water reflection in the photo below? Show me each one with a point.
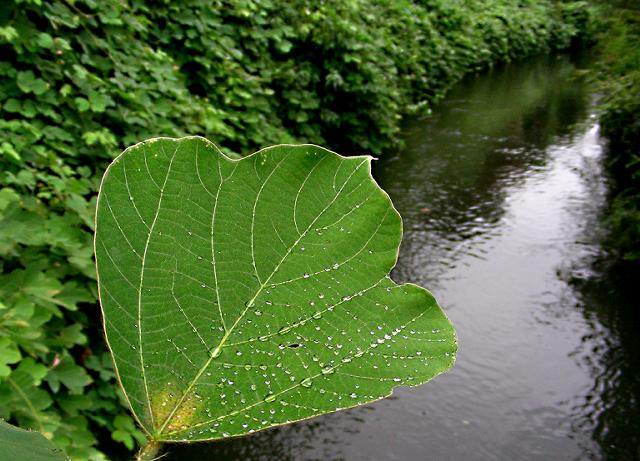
(610, 410)
(459, 166)
(500, 191)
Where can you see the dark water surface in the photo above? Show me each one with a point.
(501, 192)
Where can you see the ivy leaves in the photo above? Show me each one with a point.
(28, 83)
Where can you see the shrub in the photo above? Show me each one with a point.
(620, 121)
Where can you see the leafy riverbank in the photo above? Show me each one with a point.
(81, 80)
(619, 45)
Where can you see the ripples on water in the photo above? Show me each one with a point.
(501, 192)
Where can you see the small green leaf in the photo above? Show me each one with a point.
(45, 40)
(244, 294)
(71, 335)
(28, 83)
(126, 432)
(12, 105)
(82, 104)
(97, 101)
(61, 44)
(37, 371)
(8, 150)
(8, 33)
(65, 90)
(9, 354)
(7, 196)
(21, 445)
(74, 377)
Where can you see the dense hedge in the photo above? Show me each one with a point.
(80, 80)
(620, 122)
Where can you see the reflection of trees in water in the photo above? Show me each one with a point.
(481, 142)
(611, 409)
(488, 135)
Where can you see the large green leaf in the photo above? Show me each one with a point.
(20, 445)
(242, 294)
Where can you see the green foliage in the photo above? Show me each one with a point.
(624, 219)
(240, 295)
(18, 444)
(620, 121)
(80, 80)
(581, 21)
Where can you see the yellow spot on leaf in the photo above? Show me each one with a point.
(169, 404)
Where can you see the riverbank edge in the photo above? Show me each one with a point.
(619, 75)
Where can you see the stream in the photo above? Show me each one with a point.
(501, 191)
